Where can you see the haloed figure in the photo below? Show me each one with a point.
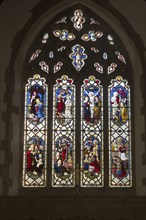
(91, 100)
(39, 108)
(87, 114)
(97, 109)
(60, 103)
(68, 109)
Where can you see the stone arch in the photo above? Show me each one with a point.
(16, 68)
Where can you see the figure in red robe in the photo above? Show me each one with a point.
(60, 104)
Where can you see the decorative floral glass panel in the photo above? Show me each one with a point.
(120, 171)
(35, 133)
(63, 133)
(91, 133)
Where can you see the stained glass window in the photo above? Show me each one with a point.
(63, 133)
(92, 133)
(79, 58)
(35, 132)
(120, 172)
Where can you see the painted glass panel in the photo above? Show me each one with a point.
(91, 133)
(120, 172)
(35, 133)
(64, 35)
(63, 163)
(78, 56)
(78, 19)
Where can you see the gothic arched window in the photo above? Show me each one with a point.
(77, 104)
